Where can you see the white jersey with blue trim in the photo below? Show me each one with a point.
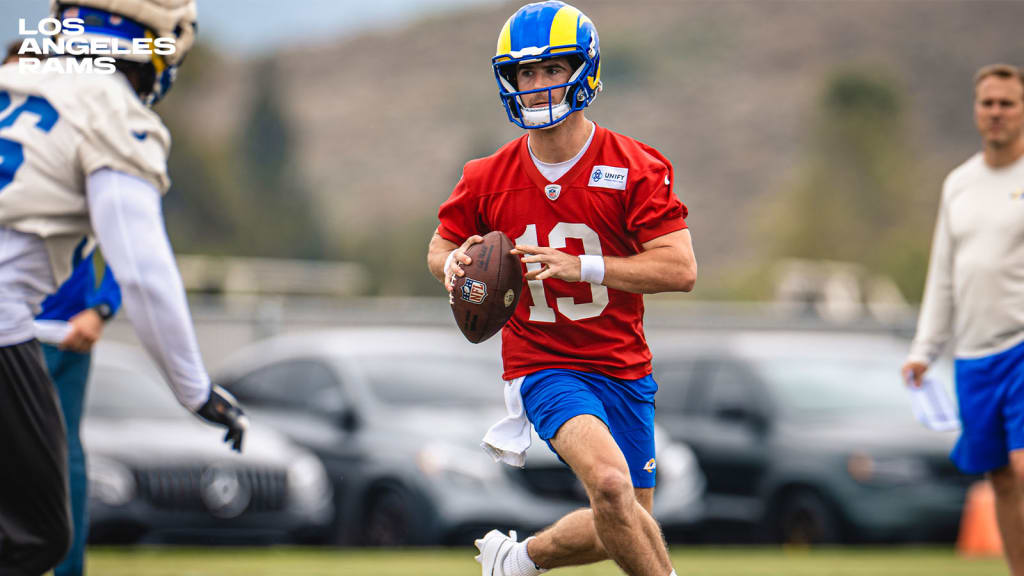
(55, 130)
(80, 154)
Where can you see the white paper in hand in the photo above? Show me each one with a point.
(933, 407)
(52, 331)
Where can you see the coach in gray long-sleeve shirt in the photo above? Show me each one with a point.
(975, 295)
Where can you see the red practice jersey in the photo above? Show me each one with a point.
(616, 197)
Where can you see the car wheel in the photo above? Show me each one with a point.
(388, 519)
(805, 518)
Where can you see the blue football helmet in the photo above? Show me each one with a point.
(123, 20)
(542, 31)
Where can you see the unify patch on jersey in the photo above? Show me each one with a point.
(609, 177)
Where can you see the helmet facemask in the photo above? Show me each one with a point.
(551, 114)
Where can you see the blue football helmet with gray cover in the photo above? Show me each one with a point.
(125, 20)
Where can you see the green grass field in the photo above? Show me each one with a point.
(448, 562)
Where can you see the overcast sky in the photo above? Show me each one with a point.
(254, 26)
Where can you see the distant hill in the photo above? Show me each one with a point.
(728, 90)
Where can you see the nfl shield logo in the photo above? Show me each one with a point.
(552, 191)
(474, 291)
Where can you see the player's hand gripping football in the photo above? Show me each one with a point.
(554, 263)
(456, 260)
(223, 410)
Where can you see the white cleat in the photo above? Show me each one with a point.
(494, 547)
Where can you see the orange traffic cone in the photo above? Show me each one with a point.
(979, 531)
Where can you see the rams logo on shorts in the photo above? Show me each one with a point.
(474, 291)
(651, 466)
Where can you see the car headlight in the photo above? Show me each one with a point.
(868, 469)
(456, 464)
(674, 462)
(678, 465)
(110, 482)
(308, 486)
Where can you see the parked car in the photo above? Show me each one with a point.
(158, 473)
(397, 415)
(807, 436)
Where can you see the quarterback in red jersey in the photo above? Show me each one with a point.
(593, 214)
(587, 211)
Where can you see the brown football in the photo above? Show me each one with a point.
(486, 297)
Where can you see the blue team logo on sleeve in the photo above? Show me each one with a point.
(474, 291)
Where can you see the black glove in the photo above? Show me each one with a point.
(223, 410)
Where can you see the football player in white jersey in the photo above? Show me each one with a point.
(83, 156)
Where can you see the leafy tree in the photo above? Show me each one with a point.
(280, 219)
(244, 197)
(855, 198)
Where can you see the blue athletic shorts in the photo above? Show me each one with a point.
(552, 397)
(990, 391)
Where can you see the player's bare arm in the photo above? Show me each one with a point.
(666, 264)
(445, 258)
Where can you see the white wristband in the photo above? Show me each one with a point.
(448, 263)
(591, 269)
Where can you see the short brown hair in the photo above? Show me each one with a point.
(1005, 71)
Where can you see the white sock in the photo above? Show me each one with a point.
(673, 573)
(519, 563)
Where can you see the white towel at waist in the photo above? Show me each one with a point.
(508, 440)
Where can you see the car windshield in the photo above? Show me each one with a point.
(435, 380)
(812, 386)
(119, 392)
